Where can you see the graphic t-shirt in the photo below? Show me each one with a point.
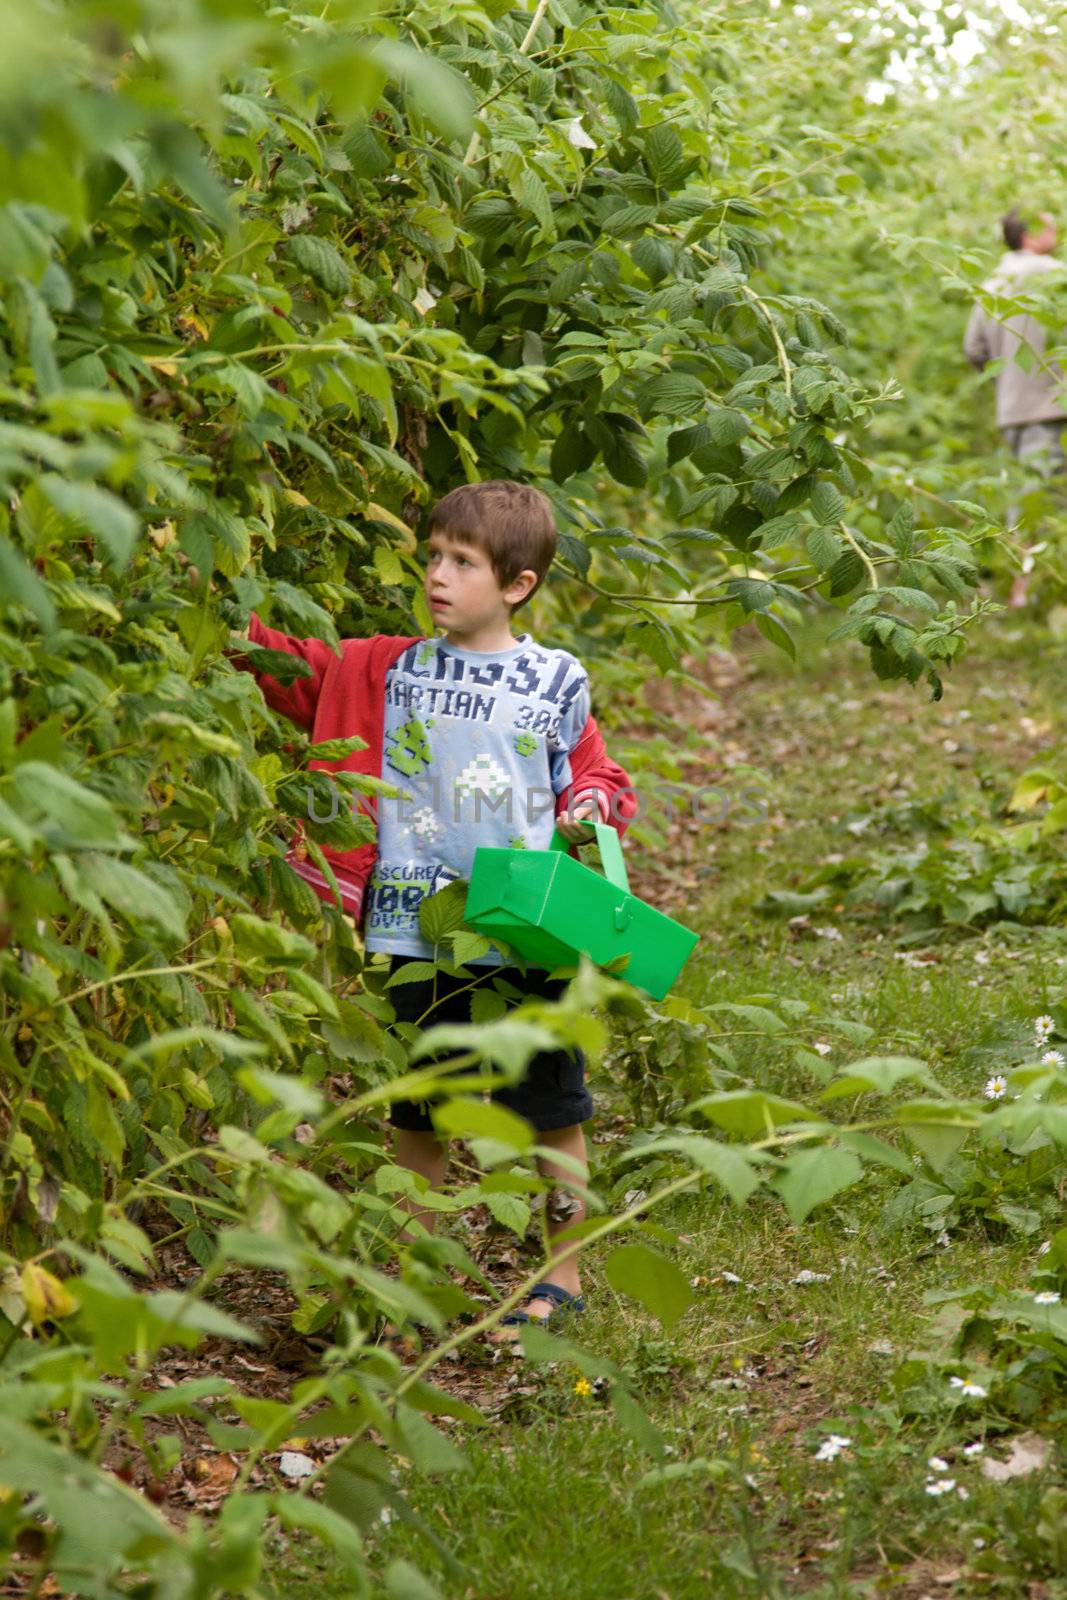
(480, 742)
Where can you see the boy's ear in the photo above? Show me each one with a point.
(521, 587)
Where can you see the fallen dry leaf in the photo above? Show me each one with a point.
(214, 1472)
(1029, 1453)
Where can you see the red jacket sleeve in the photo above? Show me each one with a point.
(593, 769)
(300, 699)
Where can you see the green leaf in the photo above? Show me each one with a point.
(305, 612)
(412, 972)
(784, 529)
(751, 1113)
(636, 1422)
(653, 255)
(663, 152)
(877, 1074)
(730, 1167)
(69, 814)
(138, 897)
(936, 1129)
(824, 549)
(335, 1532)
(254, 936)
(510, 1042)
(624, 461)
(652, 1280)
(467, 946)
(442, 913)
(684, 441)
(425, 1446)
(777, 633)
(876, 1152)
(437, 91)
(99, 1520)
(322, 262)
(510, 1211)
(464, 1118)
(672, 394)
(827, 503)
(405, 1582)
(20, 585)
(96, 511)
(810, 1177)
(726, 425)
(530, 192)
(336, 749)
(753, 594)
(25, 248)
(847, 571)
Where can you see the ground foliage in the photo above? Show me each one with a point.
(270, 282)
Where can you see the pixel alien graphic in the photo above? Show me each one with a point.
(424, 824)
(484, 774)
(408, 749)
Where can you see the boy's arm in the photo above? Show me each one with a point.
(597, 779)
(297, 701)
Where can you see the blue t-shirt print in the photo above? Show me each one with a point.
(481, 745)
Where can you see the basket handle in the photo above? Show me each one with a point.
(611, 856)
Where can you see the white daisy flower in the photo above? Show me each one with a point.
(937, 1464)
(822, 1049)
(973, 1391)
(1052, 1058)
(577, 136)
(955, 1383)
(974, 1449)
(832, 1447)
(1046, 1297)
(942, 1486)
(996, 1087)
(1043, 1026)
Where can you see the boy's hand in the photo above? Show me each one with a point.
(570, 824)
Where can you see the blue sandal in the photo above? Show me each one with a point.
(561, 1301)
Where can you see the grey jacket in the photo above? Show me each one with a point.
(1034, 396)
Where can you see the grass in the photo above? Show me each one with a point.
(559, 1497)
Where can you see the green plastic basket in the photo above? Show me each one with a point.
(551, 909)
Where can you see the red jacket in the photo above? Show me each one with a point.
(345, 695)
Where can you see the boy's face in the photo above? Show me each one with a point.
(462, 590)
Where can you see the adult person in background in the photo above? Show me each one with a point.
(1030, 398)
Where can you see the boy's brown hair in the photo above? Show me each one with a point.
(513, 523)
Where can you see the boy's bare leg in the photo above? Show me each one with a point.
(422, 1152)
(569, 1142)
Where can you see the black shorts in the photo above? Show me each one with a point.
(553, 1092)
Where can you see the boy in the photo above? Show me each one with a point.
(493, 738)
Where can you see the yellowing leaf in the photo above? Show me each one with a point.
(295, 498)
(377, 513)
(193, 324)
(386, 564)
(47, 1299)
